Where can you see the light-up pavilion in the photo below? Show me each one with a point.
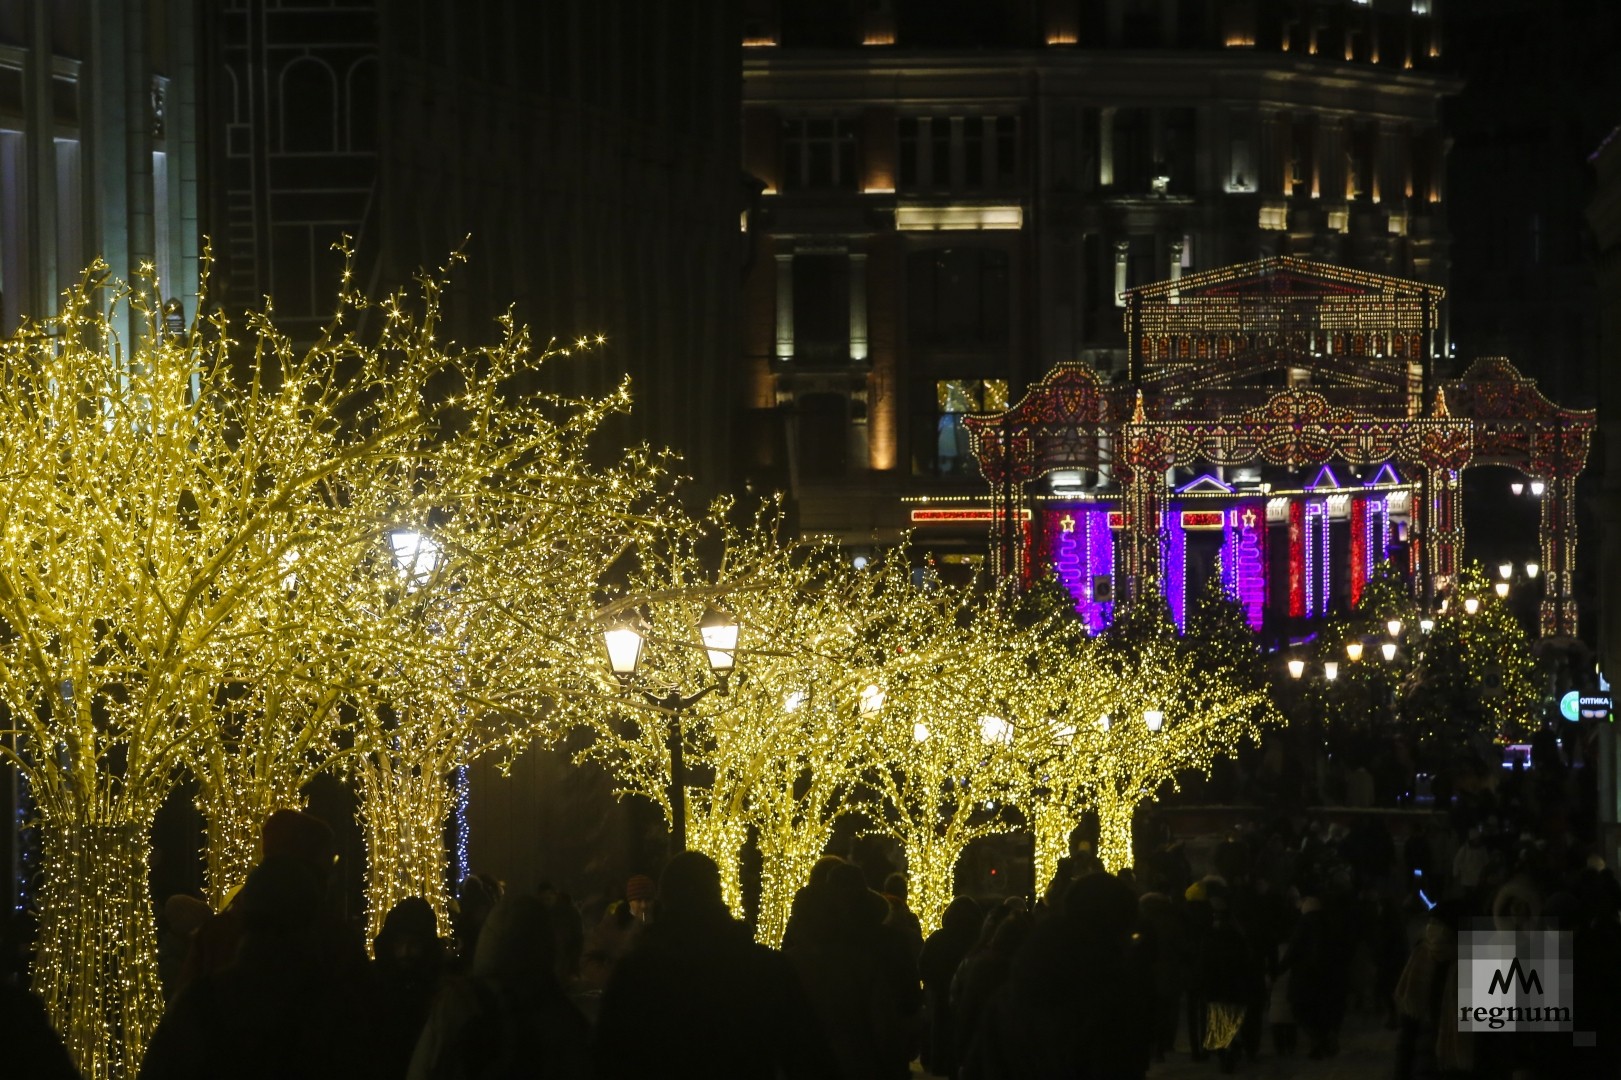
(1280, 423)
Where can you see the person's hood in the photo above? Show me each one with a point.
(517, 940)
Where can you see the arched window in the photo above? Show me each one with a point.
(361, 104)
(308, 92)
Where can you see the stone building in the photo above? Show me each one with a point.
(957, 196)
(98, 147)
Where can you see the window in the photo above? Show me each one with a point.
(819, 152)
(822, 308)
(955, 398)
(824, 436)
(958, 297)
(309, 106)
(958, 153)
(1301, 157)
(15, 267)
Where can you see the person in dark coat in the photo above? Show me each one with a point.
(32, 1047)
(1162, 936)
(985, 971)
(942, 953)
(407, 965)
(696, 996)
(290, 1003)
(1318, 961)
(857, 972)
(1230, 982)
(1078, 1002)
(510, 1020)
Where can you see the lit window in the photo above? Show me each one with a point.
(954, 399)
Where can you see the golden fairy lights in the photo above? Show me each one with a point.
(196, 575)
(254, 563)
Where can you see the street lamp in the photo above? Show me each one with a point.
(1501, 588)
(1537, 488)
(1471, 604)
(1532, 570)
(1353, 650)
(1154, 718)
(1517, 487)
(1331, 670)
(1394, 626)
(624, 638)
(1389, 650)
(1426, 625)
(1505, 570)
(416, 556)
(1297, 668)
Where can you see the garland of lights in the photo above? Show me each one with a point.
(201, 572)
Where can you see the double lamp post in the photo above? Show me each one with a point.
(624, 639)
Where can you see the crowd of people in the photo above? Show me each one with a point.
(1264, 949)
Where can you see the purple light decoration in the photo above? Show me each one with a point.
(1244, 562)
(1325, 473)
(1206, 482)
(1099, 567)
(1083, 553)
(1319, 566)
(1377, 520)
(1176, 564)
(1068, 564)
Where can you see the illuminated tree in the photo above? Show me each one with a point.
(945, 770)
(1142, 711)
(1459, 676)
(182, 545)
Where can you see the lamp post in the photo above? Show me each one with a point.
(623, 640)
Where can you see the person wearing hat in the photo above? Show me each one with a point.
(640, 893)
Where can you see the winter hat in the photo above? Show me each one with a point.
(641, 887)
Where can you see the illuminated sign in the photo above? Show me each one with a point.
(958, 216)
(1201, 519)
(967, 513)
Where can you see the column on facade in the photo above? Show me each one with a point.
(1558, 535)
(785, 305)
(1106, 146)
(1442, 531)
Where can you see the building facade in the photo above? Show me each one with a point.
(98, 148)
(1604, 216)
(98, 158)
(956, 201)
(583, 155)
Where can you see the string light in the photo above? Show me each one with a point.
(198, 575)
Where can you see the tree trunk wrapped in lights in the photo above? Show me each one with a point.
(101, 962)
(1161, 711)
(405, 797)
(174, 533)
(947, 771)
